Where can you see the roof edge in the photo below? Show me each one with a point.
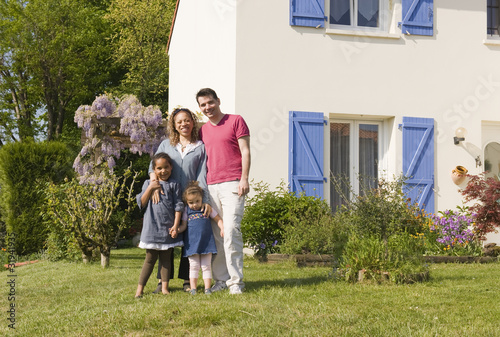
(172, 26)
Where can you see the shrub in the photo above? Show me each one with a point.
(383, 211)
(381, 225)
(310, 227)
(281, 221)
(486, 193)
(263, 221)
(396, 260)
(24, 167)
(91, 212)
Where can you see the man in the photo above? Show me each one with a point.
(227, 143)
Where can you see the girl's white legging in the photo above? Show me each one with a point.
(202, 261)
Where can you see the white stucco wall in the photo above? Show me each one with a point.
(202, 53)
(262, 68)
(452, 77)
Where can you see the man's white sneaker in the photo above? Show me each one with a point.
(235, 290)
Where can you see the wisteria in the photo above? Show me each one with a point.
(104, 142)
(453, 228)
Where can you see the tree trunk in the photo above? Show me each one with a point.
(105, 254)
(86, 257)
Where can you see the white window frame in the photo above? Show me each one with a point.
(354, 155)
(384, 18)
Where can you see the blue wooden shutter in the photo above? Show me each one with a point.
(418, 160)
(306, 153)
(308, 13)
(418, 17)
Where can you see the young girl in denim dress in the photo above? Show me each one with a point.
(161, 222)
(199, 242)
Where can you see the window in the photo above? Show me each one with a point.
(493, 18)
(357, 14)
(492, 160)
(354, 158)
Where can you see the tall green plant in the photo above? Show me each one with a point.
(382, 224)
(24, 168)
(265, 214)
(89, 212)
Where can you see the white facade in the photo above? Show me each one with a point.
(262, 68)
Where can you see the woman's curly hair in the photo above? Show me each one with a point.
(173, 134)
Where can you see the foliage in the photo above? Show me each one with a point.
(396, 260)
(310, 227)
(281, 221)
(89, 211)
(24, 168)
(264, 218)
(61, 243)
(142, 31)
(143, 125)
(379, 226)
(383, 211)
(485, 192)
(54, 53)
(453, 233)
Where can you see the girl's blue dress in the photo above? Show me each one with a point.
(198, 237)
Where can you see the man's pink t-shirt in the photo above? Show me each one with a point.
(223, 150)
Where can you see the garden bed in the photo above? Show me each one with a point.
(308, 260)
(460, 259)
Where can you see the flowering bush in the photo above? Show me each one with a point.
(454, 233)
(103, 144)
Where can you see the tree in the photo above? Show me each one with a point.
(88, 208)
(54, 54)
(86, 211)
(18, 91)
(142, 31)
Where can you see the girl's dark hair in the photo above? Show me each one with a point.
(173, 134)
(161, 155)
(192, 188)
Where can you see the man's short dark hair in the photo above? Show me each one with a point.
(206, 92)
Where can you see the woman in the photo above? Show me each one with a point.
(188, 163)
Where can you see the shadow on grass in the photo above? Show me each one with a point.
(128, 257)
(285, 283)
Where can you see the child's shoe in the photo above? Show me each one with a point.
(192, 291)
(208, 291)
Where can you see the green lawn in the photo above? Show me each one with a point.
(72, 299)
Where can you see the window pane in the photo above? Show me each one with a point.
(368, 157)
(368, 13)
(339, 163)
(340, 12)
(493, 17)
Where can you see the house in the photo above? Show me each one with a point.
(359, 87)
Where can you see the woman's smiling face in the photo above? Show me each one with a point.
(183, 124)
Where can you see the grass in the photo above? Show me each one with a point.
(72, 299)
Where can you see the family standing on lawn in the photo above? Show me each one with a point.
(218, 159)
